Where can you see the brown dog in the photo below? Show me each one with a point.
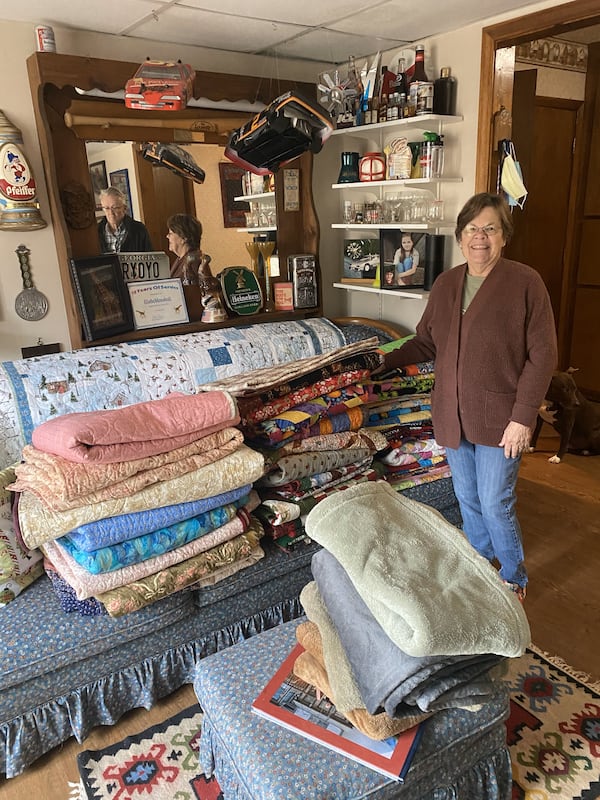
(575, 418)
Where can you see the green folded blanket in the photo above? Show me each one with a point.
(431, 592)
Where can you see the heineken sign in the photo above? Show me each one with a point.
(241, 290)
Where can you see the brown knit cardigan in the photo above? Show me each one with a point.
(493, 363)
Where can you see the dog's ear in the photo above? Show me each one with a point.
(571, 370)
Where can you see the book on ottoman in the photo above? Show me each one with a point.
(300, 707)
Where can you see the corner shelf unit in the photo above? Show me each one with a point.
(377, 135)
(256, 198)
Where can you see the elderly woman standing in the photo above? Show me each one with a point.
(490, 330)
(184, 235)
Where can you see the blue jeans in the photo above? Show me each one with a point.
(484, 483)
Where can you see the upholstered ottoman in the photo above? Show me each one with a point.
(461, 754)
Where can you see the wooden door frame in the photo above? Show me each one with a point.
(497, 68)
(496, 84)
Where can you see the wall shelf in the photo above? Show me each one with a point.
(364, 185)
(246, 198)
(392, 226)
(257, 230)
(424, 122)
(413, 294)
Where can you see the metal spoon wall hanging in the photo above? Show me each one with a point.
(30, 303)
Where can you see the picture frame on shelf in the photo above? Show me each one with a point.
(158, 303)
(231, 178)
(102, 296)
(361, 260)
(99, 181)
(120, 180)
(402, 259)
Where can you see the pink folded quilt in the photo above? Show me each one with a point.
(138, 430)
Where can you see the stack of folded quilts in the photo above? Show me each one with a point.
(405, 618)
(310, 430)
(133, 504)
(399, 407)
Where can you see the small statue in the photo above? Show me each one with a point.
(211, 295)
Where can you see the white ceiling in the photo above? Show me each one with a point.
(314, 30)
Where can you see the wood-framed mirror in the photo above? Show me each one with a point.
(67, 119)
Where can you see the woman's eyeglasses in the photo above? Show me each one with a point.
(489, 230)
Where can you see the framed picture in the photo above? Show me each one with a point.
(402, 259)
(231, 187)
(99, 181)
(361, 259)
(102, 296)
(157, 303)
(120, 180)
(556, 53)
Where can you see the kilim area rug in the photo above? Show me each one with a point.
(553, 733)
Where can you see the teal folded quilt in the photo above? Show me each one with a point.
(155, 543)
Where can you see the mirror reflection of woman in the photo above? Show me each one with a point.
(184, 235)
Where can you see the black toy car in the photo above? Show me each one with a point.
(286, 128)
(174, 158)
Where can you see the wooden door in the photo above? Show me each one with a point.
(544, 135)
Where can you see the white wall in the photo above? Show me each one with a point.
(461, 50)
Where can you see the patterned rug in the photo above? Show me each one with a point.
(553, 733)
(553, 730)
(160, 763)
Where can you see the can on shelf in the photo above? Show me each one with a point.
(44, 37)
(421, 97)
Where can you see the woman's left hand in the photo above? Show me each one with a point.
(515, 439)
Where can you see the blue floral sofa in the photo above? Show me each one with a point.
(63, 674)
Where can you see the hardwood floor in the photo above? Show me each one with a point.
(559, 510)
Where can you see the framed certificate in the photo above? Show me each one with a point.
(157, 303)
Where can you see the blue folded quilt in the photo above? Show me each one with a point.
(112, 530)
(141, 548)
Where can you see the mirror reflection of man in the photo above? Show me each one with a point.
(118, 232)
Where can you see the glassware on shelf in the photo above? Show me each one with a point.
(266, 251)
(436, 211)
(349, 170)
(253, 251)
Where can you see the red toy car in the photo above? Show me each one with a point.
(163, 85)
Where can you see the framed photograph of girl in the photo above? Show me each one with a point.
(402, 255)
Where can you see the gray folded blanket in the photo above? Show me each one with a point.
(427, 587)
(387, 677)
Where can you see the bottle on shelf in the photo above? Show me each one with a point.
(419, 73)
(444, 93)
(387, 82)
(383, 108)
(401, 85)
(375, 110)
(420, 89)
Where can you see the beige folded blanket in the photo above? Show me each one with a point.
(40, 524)
(61, 484)
(310, 667)
(428, 588)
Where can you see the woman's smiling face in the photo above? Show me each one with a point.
(482, 248)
